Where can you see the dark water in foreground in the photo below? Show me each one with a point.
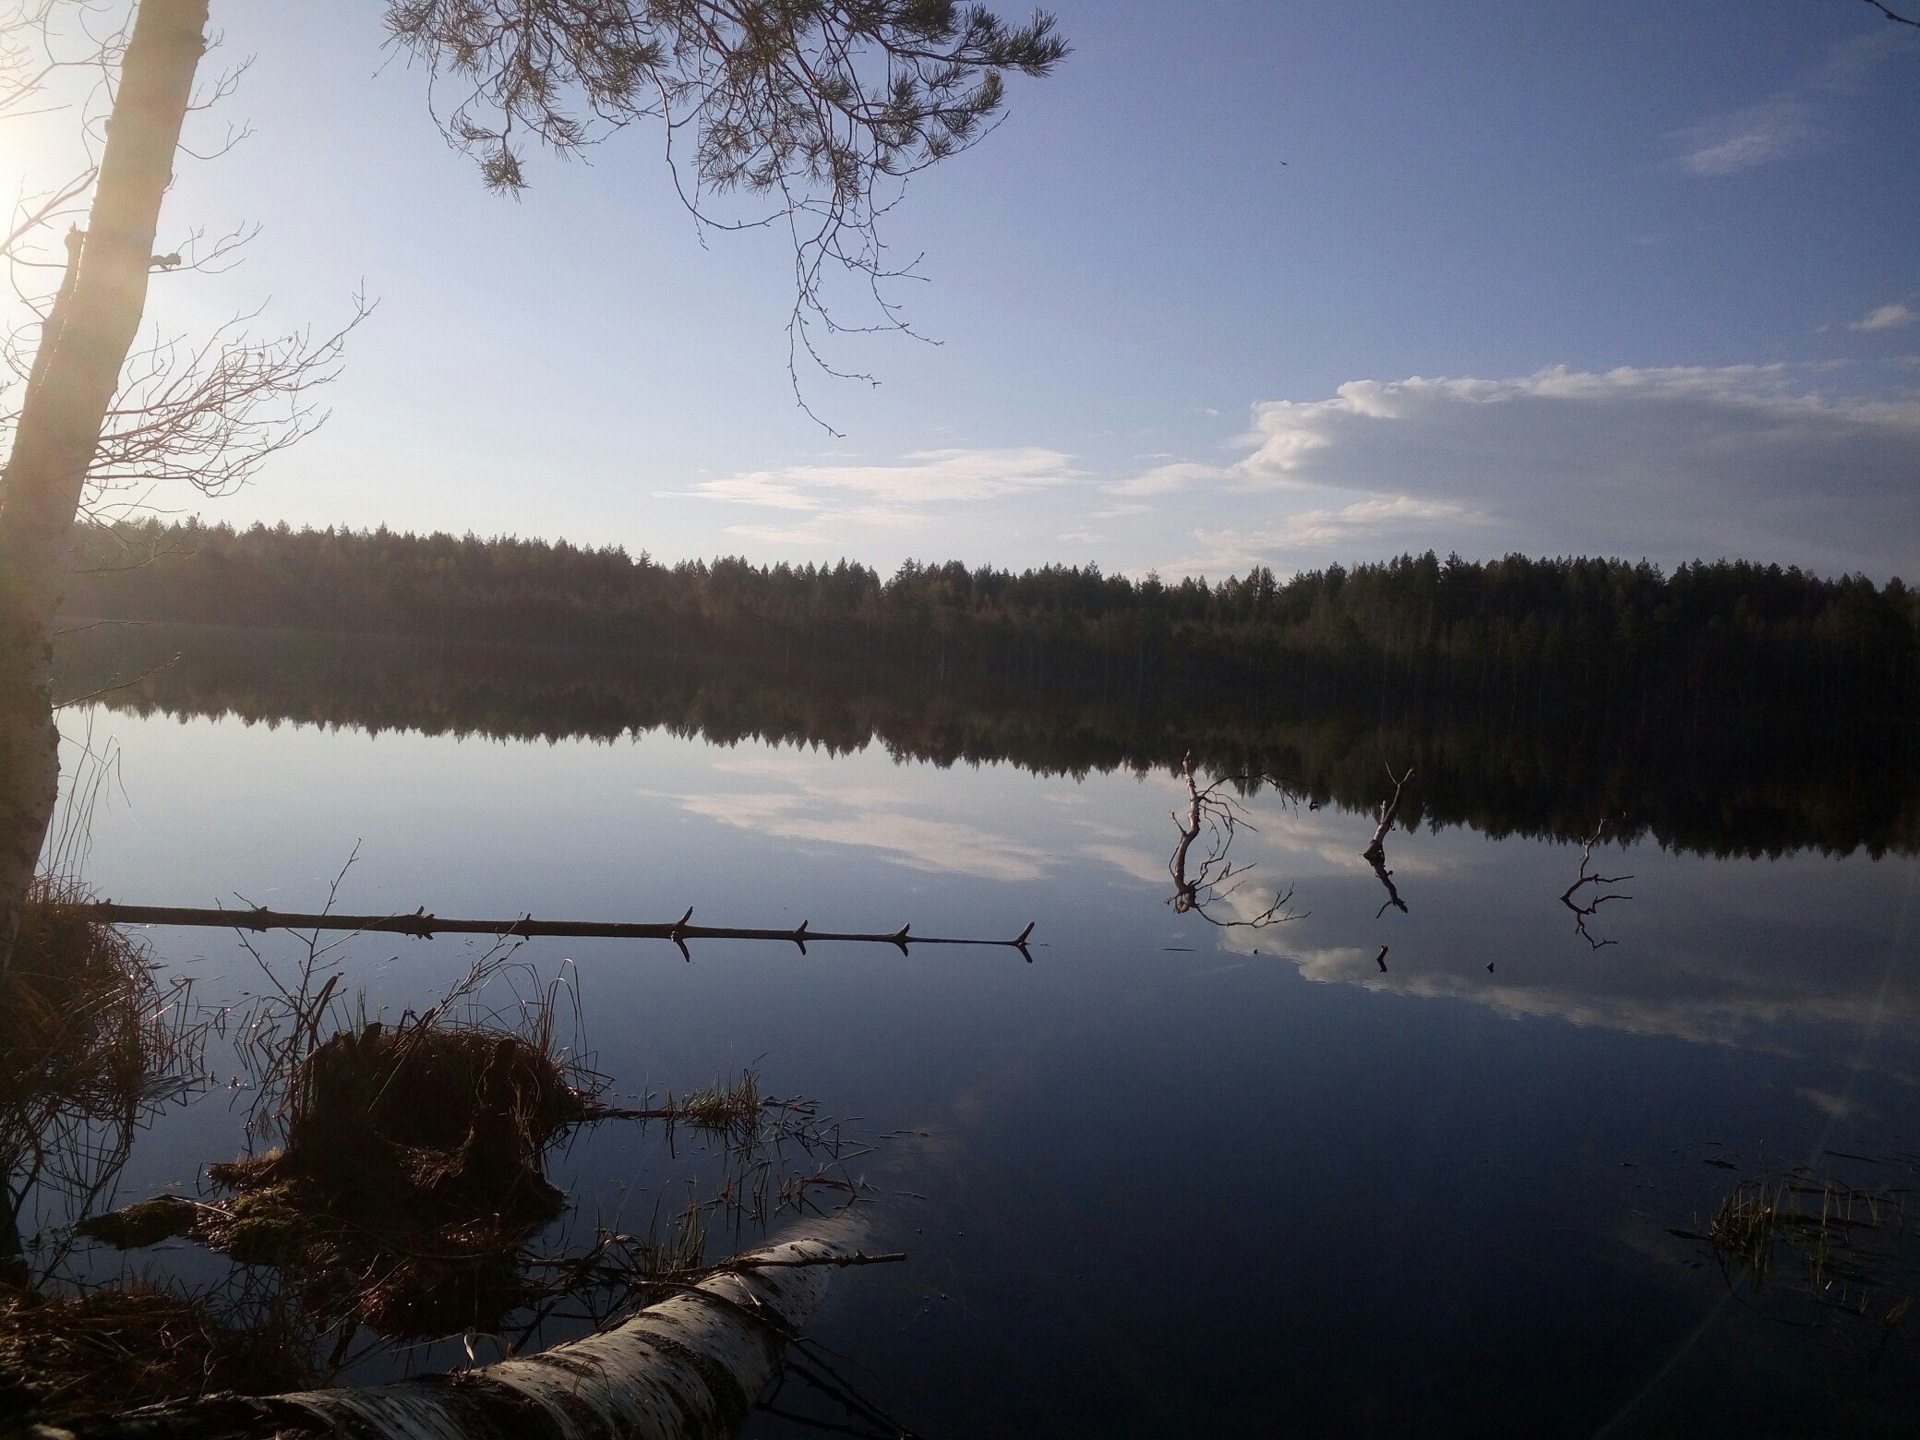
(1168, 1178)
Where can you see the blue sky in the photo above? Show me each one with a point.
(1244, 282)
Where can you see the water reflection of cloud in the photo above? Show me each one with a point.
(816, 805)
(1289, 839)
(1722, 953)
(1754, 1009)
(1319, 843)
(1138, 864)
(1825, 1101)
(1725, 953)
(1279, 844)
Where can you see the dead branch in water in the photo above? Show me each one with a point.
(1376, 851)
(1220, 817)
(423, 926)
(1587, 876)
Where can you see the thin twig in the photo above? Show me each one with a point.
(1892, 15)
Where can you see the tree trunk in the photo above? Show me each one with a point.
(688, 1368)
(76, 370)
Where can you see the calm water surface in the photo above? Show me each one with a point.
(1168, 1178)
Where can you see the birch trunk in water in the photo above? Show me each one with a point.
(76, 370)
(688, 1368)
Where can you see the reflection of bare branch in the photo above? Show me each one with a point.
(1378, 860)
(823, 1380)
(1587, 876)
(1211, 810)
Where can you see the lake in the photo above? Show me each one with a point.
(1367, 1171)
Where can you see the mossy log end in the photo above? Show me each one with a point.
(687, 1368)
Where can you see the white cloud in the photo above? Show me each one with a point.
(1776, 129)
(760, 488)
(1362, 525)
(841, 498)
(1788, 463)
(1887, 317)
(1163, 479)
(1322, 528)
(1668, 462)
(1743, 427)
(832, 527)
(924, 477)
(1793, 121)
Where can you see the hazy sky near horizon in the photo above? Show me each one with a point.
(1243, 283)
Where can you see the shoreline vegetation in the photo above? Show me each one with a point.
(1728, 708)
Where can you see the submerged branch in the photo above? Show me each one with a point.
(1376, 852)
(1376, 848)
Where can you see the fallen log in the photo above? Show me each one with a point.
(687, 1368)
(423, 926)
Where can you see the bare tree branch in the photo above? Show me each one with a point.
(36, 212)
(213, 415)
(209, 413)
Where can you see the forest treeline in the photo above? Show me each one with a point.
(1514, 641)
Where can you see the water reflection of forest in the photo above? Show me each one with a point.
(1752, 780)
